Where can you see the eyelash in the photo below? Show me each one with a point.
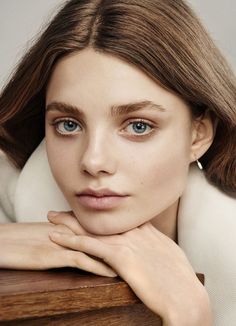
(152, 127)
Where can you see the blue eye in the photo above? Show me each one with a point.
(67, 127)
(139, 127)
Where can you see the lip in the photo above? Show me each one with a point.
(102, 199)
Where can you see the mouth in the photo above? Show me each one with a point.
(103, 199)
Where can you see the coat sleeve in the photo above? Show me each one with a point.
(8, 178)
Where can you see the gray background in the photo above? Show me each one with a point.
(21, 20)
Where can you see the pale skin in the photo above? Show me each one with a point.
(143, 155)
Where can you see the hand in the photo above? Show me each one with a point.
(28, 246)
(152, 264)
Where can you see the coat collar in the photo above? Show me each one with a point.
(206, 226)
(37, 192)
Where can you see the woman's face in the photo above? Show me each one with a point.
(119, 145)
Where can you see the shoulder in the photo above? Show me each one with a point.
(8, 176)
(206, 230)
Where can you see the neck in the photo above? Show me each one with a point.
(166, 222)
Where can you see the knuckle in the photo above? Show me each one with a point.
(77, 258)
(62, 228)
(75, 242)
(81, 242)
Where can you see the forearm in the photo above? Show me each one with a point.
(23, 244)
(28, 246)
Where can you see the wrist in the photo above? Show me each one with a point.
(193, 311)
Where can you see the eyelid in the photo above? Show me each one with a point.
(143, 118)
(56, 120)
(60, 118)
(133, 120)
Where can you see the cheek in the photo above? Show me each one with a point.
(61, 160)
(162, 173)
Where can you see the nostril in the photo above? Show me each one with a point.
(94, 172)
(96, 160)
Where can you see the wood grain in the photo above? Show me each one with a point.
(132, 315)
(66, 296)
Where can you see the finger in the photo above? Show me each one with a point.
(89, 264)
(86, 244)
(62, 229)
(80, 259)
(68, 258)
(68, 219)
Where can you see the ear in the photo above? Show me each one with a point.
(203, 131)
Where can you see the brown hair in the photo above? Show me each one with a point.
(162, 37)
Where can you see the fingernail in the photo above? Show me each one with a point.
(52, 213)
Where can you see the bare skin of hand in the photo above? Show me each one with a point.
(153, 265)
(28, 246)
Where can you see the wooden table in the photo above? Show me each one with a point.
(69, 297)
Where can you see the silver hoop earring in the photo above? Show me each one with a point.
(199, 165)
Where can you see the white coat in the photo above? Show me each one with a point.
(206, 223)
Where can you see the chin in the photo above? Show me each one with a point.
(101, 229)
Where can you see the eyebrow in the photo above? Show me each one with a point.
(65, 108)
(116, 110)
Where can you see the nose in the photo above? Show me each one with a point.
(98, 157)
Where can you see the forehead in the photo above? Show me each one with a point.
(88, 77)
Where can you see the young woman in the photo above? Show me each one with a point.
(128, 95)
